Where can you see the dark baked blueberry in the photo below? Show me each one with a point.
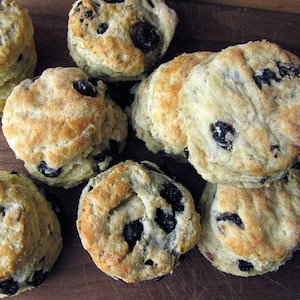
(20, 57)
(102, 28)
(296, 165)
(275, 149)
(172, 195)
(263, 179)
(149, 262)
(151, 3)
(77, 9)
(186, 152)
(9, 287)
(38, 278)
(232, 217)
(288, 70)
(144, 36)
(44, 169)
(245, 266)
(265, 78)
(166, 220)
(114, 1)
(132, 233)
(223, 133)
(85, 88)
(88, 14)
(2, 211)
(15, 173)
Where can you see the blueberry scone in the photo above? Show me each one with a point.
(135, 222)
(30, 233)
(119, 40)
(241, 114)
(63, 126)
(17, 48)
(249, 232)
(154, 112)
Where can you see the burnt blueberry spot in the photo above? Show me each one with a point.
(172, 195)
(132, 232)
(265, 78)
(9, 287)
(88, 14)
(90, 188)
(245, 266)
(102, 28)
(151, 3)
(85, 88)
(166, 220)
(45, 170)
(20, 57)
(114, 1)
(296, 165)
(144, 36)
(149, 262)
(38, 278)
(232, 217)
(223, 133)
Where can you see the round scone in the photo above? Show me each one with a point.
(63, 127)
(241, 114)
(119, 40)
(30, 233)
(17, 49)
(154, 112)
(249, 232)
(135, 222)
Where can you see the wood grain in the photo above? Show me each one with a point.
(202, 27)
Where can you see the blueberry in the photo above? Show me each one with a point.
(38, 278)
(132, 233)
(9, 287)
(166, 220)
(275, 149)
(44, 169)
(102, 28)
(223, 133)
(245, 266)
(144, 36)
(85, 88)
(265, 78)
(2, 211)
(232, 217)
(287, 70)
(172, 195)
(149, 262)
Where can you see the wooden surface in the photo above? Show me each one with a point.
(292, 6)
(202, 27)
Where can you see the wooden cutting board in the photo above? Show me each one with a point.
(203, 26)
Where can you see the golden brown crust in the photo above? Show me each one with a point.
(130, 193)
(111, 54)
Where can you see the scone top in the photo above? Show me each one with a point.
(16, 32)
(54, 117)
(119, 40)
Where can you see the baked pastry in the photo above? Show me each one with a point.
(63, 127)
(30, 233)
(154, 112)
(119, 40)
(249, 232)
(241, 114)
(17, 49)
(135, 222)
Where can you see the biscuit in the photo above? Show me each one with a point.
(135, 222)
(154, 112)
(30, 232)
(241, 114)
(17, 48)
(63, 127)
(249, 232)
(119, 40)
